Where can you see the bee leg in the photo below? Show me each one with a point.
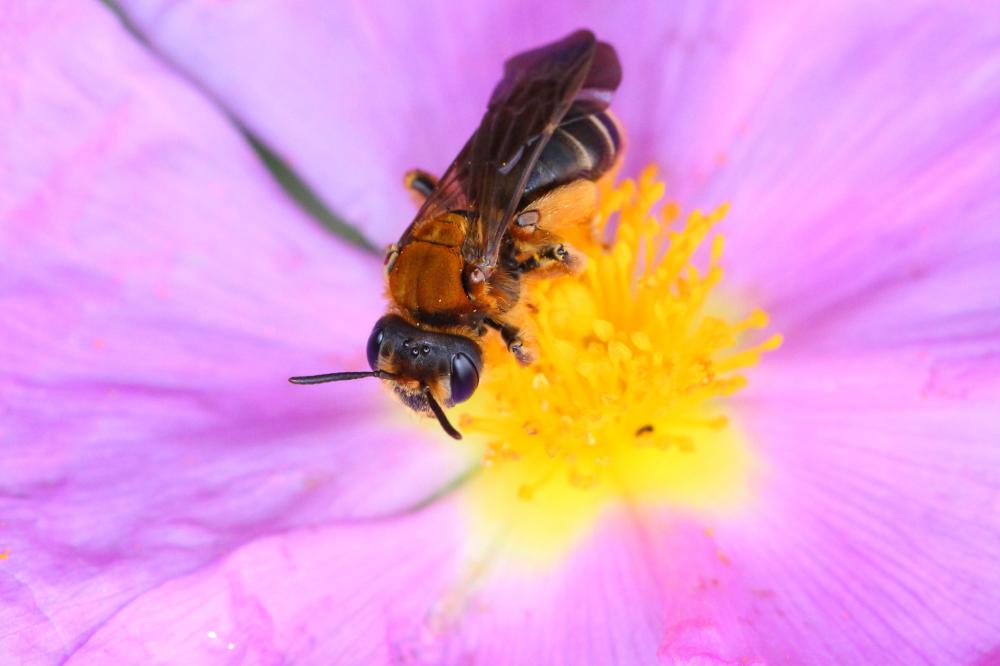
(512, 337)
(553, 260)
(419, 183)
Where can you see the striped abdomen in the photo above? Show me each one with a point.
(584, 146)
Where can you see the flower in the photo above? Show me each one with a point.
(166, 498)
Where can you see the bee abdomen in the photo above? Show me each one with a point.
(585, 146)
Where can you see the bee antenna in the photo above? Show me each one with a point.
(340, 377)
(439, 413)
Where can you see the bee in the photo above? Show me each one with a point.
(504, 213)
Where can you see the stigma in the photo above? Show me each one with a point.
(635, 358)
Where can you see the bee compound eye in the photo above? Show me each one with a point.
(464, 378)
(374, 345)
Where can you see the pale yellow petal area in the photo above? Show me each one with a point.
(540, 521)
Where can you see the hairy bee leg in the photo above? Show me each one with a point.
(553, 260)
(419, 183)
(512, 337)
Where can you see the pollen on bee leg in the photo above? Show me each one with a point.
(634, 354)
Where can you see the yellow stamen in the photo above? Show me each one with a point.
(623, 399)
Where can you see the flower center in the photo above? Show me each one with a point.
(633, 356)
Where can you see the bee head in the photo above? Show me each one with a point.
(427, 369)
(449, 365)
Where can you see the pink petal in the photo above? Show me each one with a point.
(356, 94)
(393, 593)
(866, 544)
(158, 289)
(390, 593)
(872, 537)
(856, 144)
(332, 595)
(876, 532)
(862, 175)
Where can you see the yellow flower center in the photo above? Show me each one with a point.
(623, 399)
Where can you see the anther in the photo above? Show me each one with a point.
(628, 360)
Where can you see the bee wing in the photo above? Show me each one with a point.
(574, 76)
(448, 196)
